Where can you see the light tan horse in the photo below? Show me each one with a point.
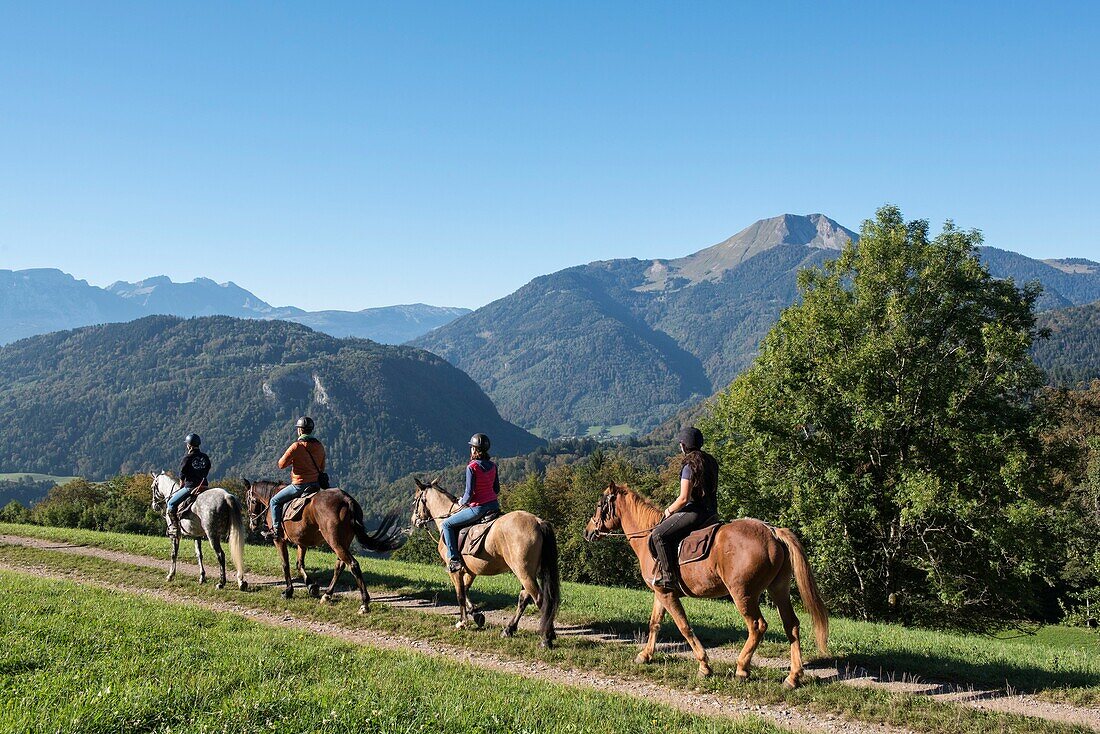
(518, 542)
(747, 556)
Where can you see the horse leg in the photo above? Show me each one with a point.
(198, 555)
(216, 544)
(749, 606)
(288, 592)
(676, 610)
(343, 552)
(460, 593)
(524, 600)
(780, 592)
(339, 569)
(655, 618)
(302, 565)
(175, 552)
(527, 575)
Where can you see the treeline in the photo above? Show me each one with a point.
(120, 505)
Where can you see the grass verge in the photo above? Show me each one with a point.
(1059, 663)
(874, 706)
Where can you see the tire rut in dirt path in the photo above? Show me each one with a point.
(698, 704)
(892, 681)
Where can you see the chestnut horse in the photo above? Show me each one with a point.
(331, 518)
(747, 556)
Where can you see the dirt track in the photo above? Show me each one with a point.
(894, 681)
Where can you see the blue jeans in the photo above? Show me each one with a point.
(281, 498)
(464, 517)
(174, 500)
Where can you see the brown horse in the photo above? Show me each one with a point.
(331, 518)
(518, 542)
(747, 556)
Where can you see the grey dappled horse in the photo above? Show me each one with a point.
(216, 514)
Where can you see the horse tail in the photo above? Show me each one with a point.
(236, 536)
(384, 538)
(549, 583)
(807, 588)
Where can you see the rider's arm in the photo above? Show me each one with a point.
(683, 499)
(469, 487)
(285, 461)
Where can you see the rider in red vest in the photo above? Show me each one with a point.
(478, 501)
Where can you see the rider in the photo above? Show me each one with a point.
(695, 507)
(306, 459)
(193, 471)
(478, 501)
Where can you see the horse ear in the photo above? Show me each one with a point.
(436, 481)
(247, 484)
(419, 484)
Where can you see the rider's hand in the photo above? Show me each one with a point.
(668, 511)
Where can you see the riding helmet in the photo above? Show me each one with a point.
(480, 441)
(691, 437)
(305, 423)
(193, 439)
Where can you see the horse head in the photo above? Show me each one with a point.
(605, 520)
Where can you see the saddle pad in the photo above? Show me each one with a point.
(696, 546)
(471, 539)
(185, 505)
(297, 505)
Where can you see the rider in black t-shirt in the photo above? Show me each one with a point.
(695, 507)
(193, 471)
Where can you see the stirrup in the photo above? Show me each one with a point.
(269, 534)
(455, 566)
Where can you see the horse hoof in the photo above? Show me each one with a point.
(704, 671)
(547, 644)
(326, 598)
(742, 675)
(220, 585)
(460, 625)
(202, 579)
(789, 684)
(363, 609)
(169, 577)
(479, 620)
(314, 590)
(242, 585)
(288, 593)
(506, 632)
(641, 659)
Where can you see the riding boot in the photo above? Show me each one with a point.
(455, 566)
(274, 534)
(173, 525)
(664, 580)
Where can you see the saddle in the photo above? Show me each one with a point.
(298, 505)
(471, 539)
(697, 545)
(185, 506)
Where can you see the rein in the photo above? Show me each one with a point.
(420, 506)
(606, 510)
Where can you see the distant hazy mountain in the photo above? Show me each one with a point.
(388, 325)
(631, 342)
(44, 300)
(117, 398)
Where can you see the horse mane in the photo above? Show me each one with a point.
(641, 502)
(437, 487)
(264, 488)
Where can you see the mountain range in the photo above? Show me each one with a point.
(101, 400)
(625, 344)
(39, 301)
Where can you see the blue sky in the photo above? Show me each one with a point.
(352, 155)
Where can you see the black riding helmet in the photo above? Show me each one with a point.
(193, 440)
(305, 423)
(691, 437)
(480, 441)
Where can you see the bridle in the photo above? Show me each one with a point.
(254, 517)
(422, 516)
(159, 500)
(607, 509)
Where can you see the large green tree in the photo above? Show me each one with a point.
(890, 419)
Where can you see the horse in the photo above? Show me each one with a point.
(331, 518)
(215, 514)
(518, 542)
(747, 556)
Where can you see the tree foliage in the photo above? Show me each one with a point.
(890, 420)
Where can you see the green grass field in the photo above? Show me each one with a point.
(1059, 664)
(14, 476)
(80, 659)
